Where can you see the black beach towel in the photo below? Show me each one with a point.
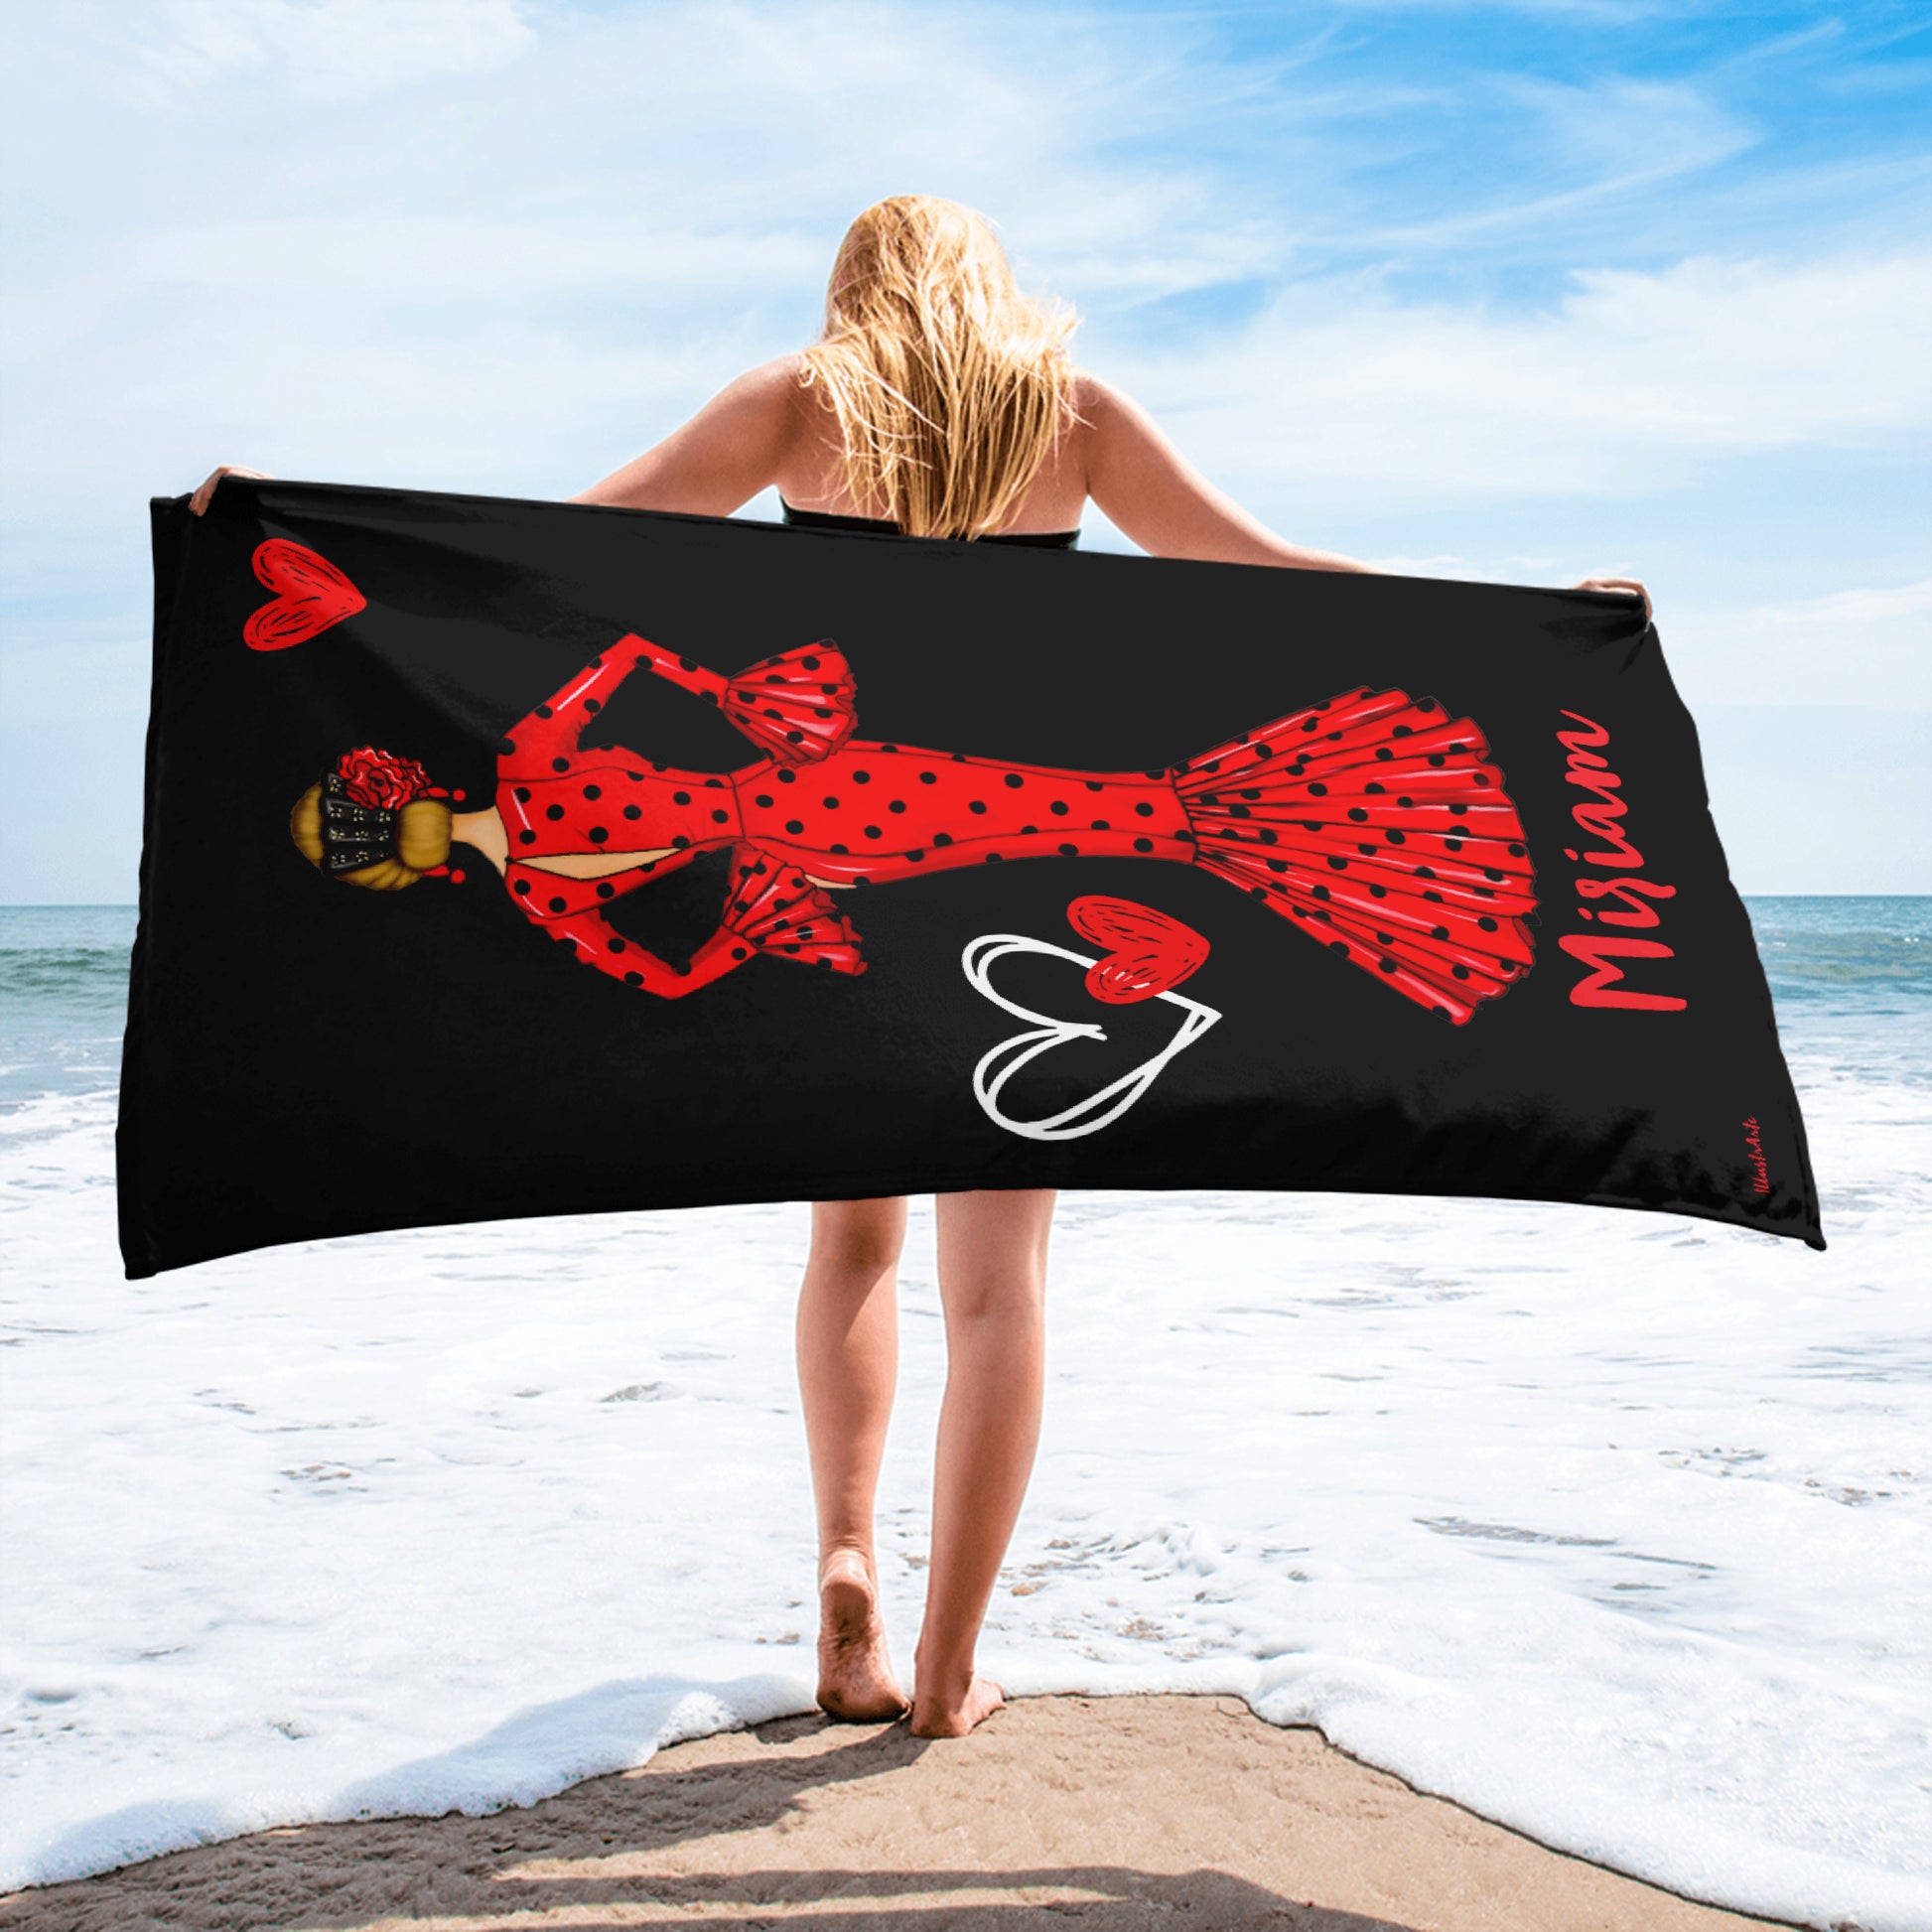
(511, 859)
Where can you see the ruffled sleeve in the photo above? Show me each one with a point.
(775, 908)
(797, 706)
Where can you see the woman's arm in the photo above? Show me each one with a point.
(1152, 494)
(722, 458)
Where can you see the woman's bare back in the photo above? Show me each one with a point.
(767, 428)
(810, 473)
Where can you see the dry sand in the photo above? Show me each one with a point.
(1112, 1812)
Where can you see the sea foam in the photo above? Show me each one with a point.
(1610, 1526)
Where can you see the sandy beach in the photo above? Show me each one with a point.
(1115, 1811)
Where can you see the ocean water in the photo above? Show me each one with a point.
(1615, 1528)
(63, 1000)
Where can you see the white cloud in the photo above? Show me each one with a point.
(315, 49)
(1857, 647)
(1621, 130)
(1635, 383)
(1582, 147)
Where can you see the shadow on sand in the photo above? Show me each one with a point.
(583, 1860)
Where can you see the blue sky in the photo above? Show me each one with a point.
(1518, 292)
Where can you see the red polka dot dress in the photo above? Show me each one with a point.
(1370, 819)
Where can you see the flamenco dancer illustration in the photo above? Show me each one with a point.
(1370, 820)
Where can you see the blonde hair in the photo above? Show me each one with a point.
(948, 385)
(422, 842)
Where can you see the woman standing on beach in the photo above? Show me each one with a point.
(939, 402)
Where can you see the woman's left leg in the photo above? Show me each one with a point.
(993, 1285)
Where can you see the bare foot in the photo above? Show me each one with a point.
(949, 1716)
(854, 1675)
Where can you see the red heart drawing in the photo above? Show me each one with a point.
(313, 595)
(1147, 954)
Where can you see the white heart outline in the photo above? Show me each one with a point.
(978, 960)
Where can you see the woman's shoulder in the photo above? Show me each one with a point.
(763, 409)
(1107, 424)
(1099, 403)
(781, 391)
(778, 381)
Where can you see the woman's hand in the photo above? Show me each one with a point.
(204, 497)
(1628, 585)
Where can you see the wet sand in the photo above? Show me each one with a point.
(1111, 1812)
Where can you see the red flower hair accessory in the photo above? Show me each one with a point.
(381, 779)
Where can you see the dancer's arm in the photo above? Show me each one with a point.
(594, 942)
(769, 908)
(796, 706)
(559, 720)
(558, 723)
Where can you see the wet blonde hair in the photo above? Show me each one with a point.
(422, 842)
(949, 386)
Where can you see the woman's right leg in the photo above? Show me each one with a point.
(848, 1367)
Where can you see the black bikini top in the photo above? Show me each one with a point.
(884, 526)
